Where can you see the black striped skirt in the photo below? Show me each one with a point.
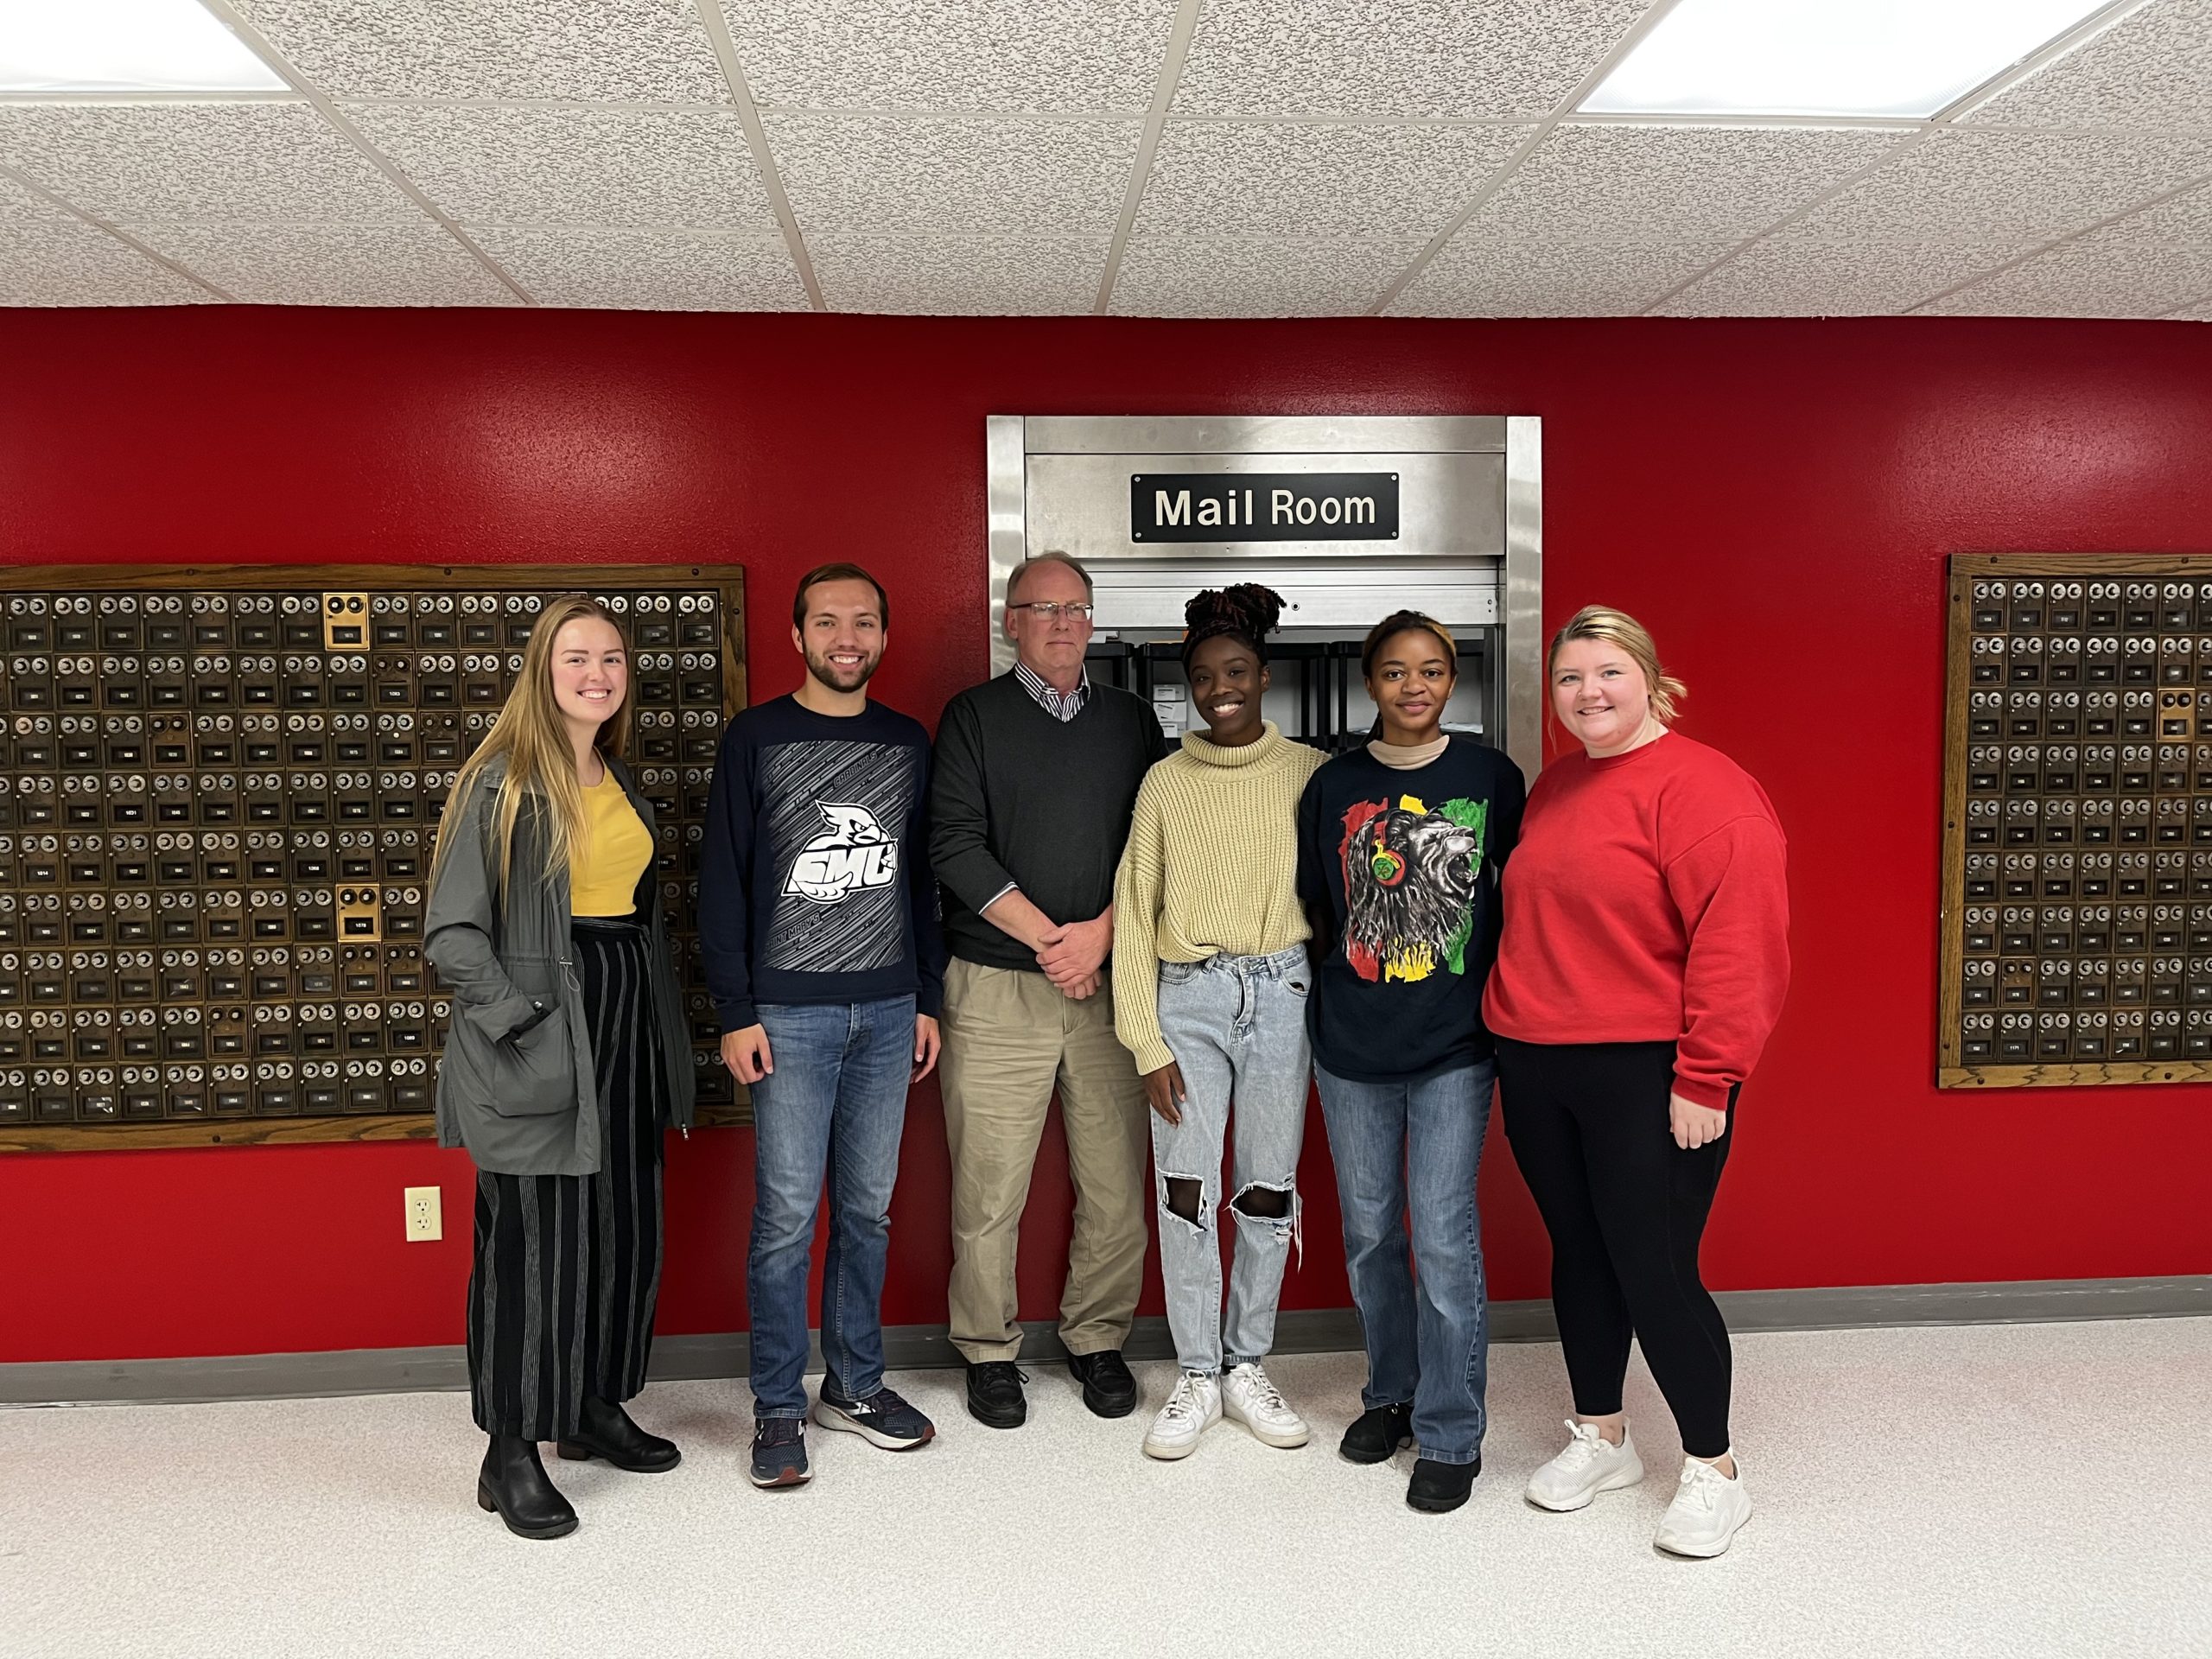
(567, 1268)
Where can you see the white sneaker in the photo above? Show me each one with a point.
(1590, 1465)
(1194, 1408)
(1707, 1511)
(1248, 1398)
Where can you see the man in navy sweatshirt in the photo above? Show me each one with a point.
(817, 920)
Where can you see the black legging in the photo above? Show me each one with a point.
(1625, 1207)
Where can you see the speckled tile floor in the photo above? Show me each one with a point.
(2005, 1490)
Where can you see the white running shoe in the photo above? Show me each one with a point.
(1590, 1465)
(1708, 1510)
(1248, 1398)
(1194, 1408)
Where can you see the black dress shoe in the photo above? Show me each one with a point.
(994, 1394)
(1380, 1431)
(1108, 1387)
(512, 1484)
(606, 1432)
(1439, 1488)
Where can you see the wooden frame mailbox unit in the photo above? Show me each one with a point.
(218, 788)
(2077, 926)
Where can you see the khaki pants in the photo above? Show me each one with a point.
(1009, 1037)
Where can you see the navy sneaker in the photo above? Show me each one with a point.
(780, 1451)
(883, 1418)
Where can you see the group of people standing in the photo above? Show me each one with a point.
(1050, 902)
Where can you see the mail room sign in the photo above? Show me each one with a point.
(1263, 507)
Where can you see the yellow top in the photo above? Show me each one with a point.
(1211, 869)
(603, 871)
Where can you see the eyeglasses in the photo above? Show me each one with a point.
(1051, 611)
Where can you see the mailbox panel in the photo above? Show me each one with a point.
(220, 794)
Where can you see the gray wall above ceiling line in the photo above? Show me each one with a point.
(1146, 157)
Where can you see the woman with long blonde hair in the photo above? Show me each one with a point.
(568, 1058)
(1645, 956)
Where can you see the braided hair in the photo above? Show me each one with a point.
(1246, 612)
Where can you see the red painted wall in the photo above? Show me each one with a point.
(1774, 499)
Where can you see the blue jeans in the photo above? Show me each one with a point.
(834, 1107)
(1236, 1025)
(1433, 1351)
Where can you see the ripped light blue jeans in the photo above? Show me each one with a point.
(1238, 1028)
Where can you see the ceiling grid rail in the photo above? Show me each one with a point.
(116, 231)
(756, 136)
(1155, 122)
(259, 44)
(1527, 147)
(2055, 242)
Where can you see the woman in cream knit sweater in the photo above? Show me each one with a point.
(1210, 980)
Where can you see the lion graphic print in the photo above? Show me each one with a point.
(1413, 875)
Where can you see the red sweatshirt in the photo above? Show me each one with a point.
(1646, 902)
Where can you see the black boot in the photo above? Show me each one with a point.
(606, 1432)
(1440, 1488)
(1376, 1434)
(512, 1481)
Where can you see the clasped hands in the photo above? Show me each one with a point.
(1073, 955)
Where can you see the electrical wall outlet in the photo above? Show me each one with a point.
(425, 1214)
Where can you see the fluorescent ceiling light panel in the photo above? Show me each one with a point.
(1897, 58)
(125, 45)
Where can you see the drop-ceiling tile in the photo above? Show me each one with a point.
(1178, 276)
(648, 271)
(1042, 55)
(1996, 186)
(960, 275)
(2090, 276)
(1275, 178)
(1397, 57)
(2153, 69)
(330, 264)
(17, 204)
(66, 262)
(1791, 275)
(269, 163)
(665, 168)
(1649, 184)
(2184, 220)
(885, 175)
(654, 50)
(1478, 276)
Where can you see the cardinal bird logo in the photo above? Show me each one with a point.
(852, 852)
(1411, 876)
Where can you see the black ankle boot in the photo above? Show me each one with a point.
(606, 1432)
(1376, 1434)
(512, 1483)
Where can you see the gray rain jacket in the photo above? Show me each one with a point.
(516, 1084)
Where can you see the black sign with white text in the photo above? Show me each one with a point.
(1263, 506)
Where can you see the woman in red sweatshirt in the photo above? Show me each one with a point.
(1643, 961)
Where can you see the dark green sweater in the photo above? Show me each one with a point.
(1016, 795)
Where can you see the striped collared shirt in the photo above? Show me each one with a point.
(1062, 708)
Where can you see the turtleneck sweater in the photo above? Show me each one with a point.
(1402, 757)
(1211, 869)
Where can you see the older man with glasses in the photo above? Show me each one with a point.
(1035, 775)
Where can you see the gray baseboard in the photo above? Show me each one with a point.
(912, 1347)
